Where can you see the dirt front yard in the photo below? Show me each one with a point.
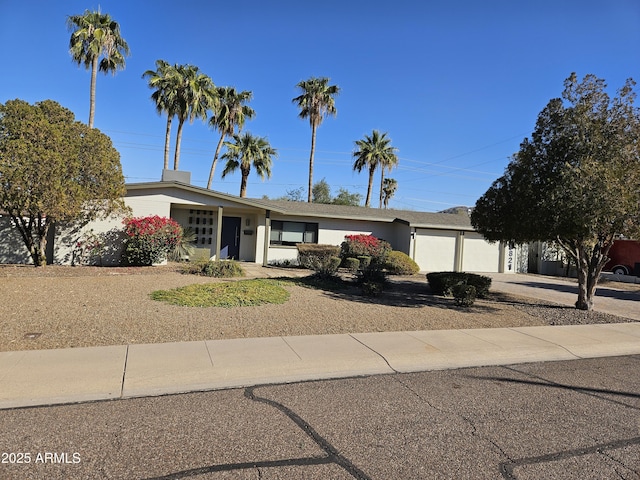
(59, 307)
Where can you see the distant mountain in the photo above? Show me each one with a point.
(458, 210)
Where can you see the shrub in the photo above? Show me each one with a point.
(463, 294)
(481, 283)
(399, 263)
(215, 268)
(322, 259)
(284, 263)
(372, 289)
(372, 279)
(185, 248)
(351, 264)
(89, 250)
(365, 261)
(364, 245)
(150, 239)
(442, 283)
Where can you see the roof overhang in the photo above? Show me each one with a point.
(200, 190)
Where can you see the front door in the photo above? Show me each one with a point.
(230, 247)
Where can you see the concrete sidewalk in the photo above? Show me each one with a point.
(47, 377)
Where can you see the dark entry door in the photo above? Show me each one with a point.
(230, 247)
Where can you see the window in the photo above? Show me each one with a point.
(290, 233)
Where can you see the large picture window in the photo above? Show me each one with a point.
(290, 233)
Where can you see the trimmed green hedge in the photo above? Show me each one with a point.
(322, 259)
(351, 264)
(441, 283)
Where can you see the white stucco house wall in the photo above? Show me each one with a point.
(266, 231)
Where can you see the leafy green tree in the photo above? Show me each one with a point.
(293, 195)
(196, 94)
(316, 101)
(345, 197)
(389, 188)
(244, 152)
(165, 82)
(575, 182)
(321, 192)
(372, 151)
(54, 169)
(229, 116)
(97, 43)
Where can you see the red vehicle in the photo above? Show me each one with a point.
(624, 258)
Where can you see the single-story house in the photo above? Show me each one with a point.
(267, 231)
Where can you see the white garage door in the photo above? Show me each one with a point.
(479, 255)
(435, 250)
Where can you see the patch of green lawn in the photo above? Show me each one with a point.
(331, 284)
(244, 293)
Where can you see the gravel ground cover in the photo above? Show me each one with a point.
(60, 307)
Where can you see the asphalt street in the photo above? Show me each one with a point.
(567, 419)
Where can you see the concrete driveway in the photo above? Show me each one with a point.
(623, 302)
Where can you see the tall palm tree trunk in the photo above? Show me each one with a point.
(167, 140)
(176, 157)
(92, 92)
(243, 184)
(367, 203)
(215, 160)
(381, 184)
(313, 151)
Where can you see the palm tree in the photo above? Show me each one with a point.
(244, 152)
(195, 96)
(96, 42)
(373, 150)
(165, 81)
(231, 113)
(317, 101)
(389, 189)
(387, 162)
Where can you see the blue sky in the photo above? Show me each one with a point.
(457, 84)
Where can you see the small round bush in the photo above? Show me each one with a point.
(372, 288)
(464, 295)
(215, 268)
(351, 264)
(365, 261)
(399, 263)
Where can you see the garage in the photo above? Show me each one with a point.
(478, 255)
(435, 250)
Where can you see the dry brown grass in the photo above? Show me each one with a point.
(59, 307)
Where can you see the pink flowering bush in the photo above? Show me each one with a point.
(371, 253)
(150, 239)
(361, 245)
